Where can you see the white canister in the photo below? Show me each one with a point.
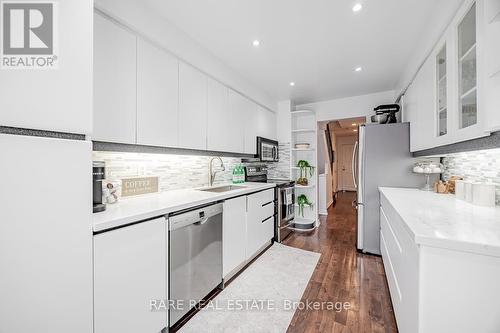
(460, 189)
(468, 191)
(483, 194)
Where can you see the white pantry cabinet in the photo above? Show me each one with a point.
(130, 272)
(45, 249)
(192, 108)
(260, 215)
(234, 235)
(225, 130)
(157, 96)
(55, 99)
(114, 82)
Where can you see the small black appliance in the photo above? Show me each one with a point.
(386, 114)
(98, 175)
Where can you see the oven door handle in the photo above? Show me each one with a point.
(286, 226)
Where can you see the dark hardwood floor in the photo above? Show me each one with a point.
(343, 275)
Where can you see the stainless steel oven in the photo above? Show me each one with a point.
(267, 150)
(286, 210)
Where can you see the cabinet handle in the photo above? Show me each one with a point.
(270, 217)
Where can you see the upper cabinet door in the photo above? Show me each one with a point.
(157, 96)
(114, 82)
(192, 108)
(250, 114)
(442, 91)
(467, 70)
(55, 99)
(225, 124)
(266, 126)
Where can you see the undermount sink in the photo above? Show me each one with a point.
(223, 188)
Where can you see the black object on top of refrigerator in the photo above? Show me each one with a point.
(381, 158)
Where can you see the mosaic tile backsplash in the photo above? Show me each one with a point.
(180, 171)
(281, 169)
(477, 166)
(174, 171)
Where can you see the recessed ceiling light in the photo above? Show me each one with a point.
(355, 130)
(256, 42)
(353, 124)
(292, 84)
(357, 7)
(358, 69)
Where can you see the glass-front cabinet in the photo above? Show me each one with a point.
(450, 98)
(442, 94)
(457, 88)
(467, 69)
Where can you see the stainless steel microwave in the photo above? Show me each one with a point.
(267, 150)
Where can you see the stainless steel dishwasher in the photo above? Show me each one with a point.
(195, 257)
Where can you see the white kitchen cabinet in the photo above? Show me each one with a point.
(492, 51)
(260, 212)
(266, 126)
(251, 125)
(234, 226)
(225, 130)
(157, 96)
(45, 235)
(129, 274)
(448, 102)
(55, 99)
(433, 288)
(114, 82)
(192, 108)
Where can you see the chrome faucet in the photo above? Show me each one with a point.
(212, 173)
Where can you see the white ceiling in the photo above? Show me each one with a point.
(315, 43)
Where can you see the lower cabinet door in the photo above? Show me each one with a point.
(234, 231)
(254, 220)
(267, 229)
(130, 280)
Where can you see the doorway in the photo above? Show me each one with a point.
(336, 145)
(345, 175)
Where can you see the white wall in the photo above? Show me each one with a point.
(145, 21)
(349, 107)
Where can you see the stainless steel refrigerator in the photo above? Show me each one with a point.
(381, 158)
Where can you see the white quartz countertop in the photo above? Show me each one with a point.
(441, 220)
(145, 207)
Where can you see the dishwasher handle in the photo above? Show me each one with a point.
(202, 221)
(197, 216)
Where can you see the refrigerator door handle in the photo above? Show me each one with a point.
(354, 163)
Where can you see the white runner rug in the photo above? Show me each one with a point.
(263, 298)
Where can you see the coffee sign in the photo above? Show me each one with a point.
(137, 186)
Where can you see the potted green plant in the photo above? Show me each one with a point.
(303, 201)
(305, 168)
